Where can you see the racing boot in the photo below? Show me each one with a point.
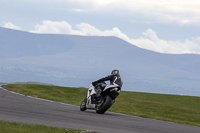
(99, 93)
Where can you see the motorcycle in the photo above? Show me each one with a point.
(101, 105)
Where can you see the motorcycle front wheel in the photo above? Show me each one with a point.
(104, 106)
(83, 105)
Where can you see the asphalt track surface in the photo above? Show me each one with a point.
(20, 108)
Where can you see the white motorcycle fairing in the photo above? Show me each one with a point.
(112, 86)
(91, 92)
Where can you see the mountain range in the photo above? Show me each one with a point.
(72, 60)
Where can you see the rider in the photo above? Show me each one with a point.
(114, 79)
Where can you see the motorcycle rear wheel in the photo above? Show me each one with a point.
(102, 108)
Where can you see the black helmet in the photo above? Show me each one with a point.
(115, 72)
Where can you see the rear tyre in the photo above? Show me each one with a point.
(104, 106)
(83, 105)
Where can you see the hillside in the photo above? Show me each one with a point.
(70, 60)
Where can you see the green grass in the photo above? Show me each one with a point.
(179, 109)
(173, 108)
(13, 127)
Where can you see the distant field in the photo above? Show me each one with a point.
(173, 108)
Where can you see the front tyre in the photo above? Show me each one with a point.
(83, 105)
(102, 108)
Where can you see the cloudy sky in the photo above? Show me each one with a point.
(165, 26)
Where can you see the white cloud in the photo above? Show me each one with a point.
(55, 27)
(95, 3)
(77, 10)
(149, 39)
(11, 26)
(162, 11)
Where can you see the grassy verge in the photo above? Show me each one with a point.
(13, 127)
(174, 108)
